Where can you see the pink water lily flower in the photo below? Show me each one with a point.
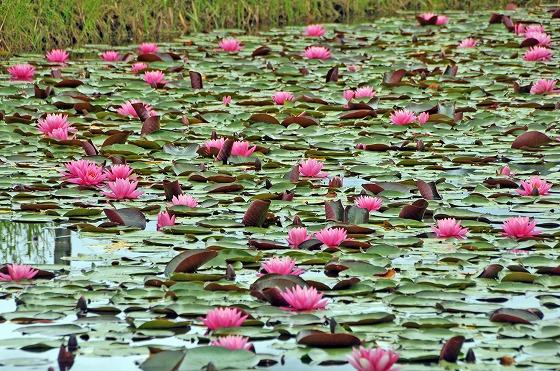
(230, 45)
(336, 182)
(353, 68)
(21, 72)
(214, 145)
(242, 149)
(285, 265)
(317, 52)
(302, 299)
(520, 227)
(468, 43)
(535, 186)
(281, 97)
(226, 100)
(296, 236)
(164, 219)
(521, 29)
(147, 48)
(57, 56)
(233, 342)
(332, 237)
(314, 30)
(224, 317)
(537, 53)
(60, 134)
(450, 228)
(423, 118)
(369, 203)
(122, 189)
(348, 94)
(184, 200)
(544, 87)
(369, 359)
(311, 168)
(55, 126)
(403, 117)
(18, 272)
(110, 56)
(441, 20)
(505, 171)
(138, 67)
(84, 173)
(364, 92)
(541, 37)
(155, 79)
(427, 16)
(126, 109)
(121, 171)
(534, 28)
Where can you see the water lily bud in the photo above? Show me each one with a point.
(335, 182)
(332, 325)
(65, 359)
(287, 196)
(258, 164)
(230, 273)
(72, 343)
(82, 304)
(470, 357)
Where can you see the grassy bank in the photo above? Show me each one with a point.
(43, 24)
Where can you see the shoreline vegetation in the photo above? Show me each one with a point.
(40, 25)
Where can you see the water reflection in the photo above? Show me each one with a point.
(62, 245)
(34, 243)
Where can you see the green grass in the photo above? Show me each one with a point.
(39, 25)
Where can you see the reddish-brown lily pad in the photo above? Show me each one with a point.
(189, 261)
(531, 139)
(514, 316)
(320, 339)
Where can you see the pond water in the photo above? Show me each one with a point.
(44, 243)
(47, 244)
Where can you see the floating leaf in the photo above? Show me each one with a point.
(196, 80)
(171, 189)
(256, 213)
(117, 138)
(491, 271)
(189, 261)
(414, 211)
(303, 121)
(451, 349)
(320, 339)
(130, 217)
(150, 125)
(261, 51)
(530, 139)
(515, 316)
(168, 360)
(334, 210)
(428, 190)
(394, 77)
(332, 74)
